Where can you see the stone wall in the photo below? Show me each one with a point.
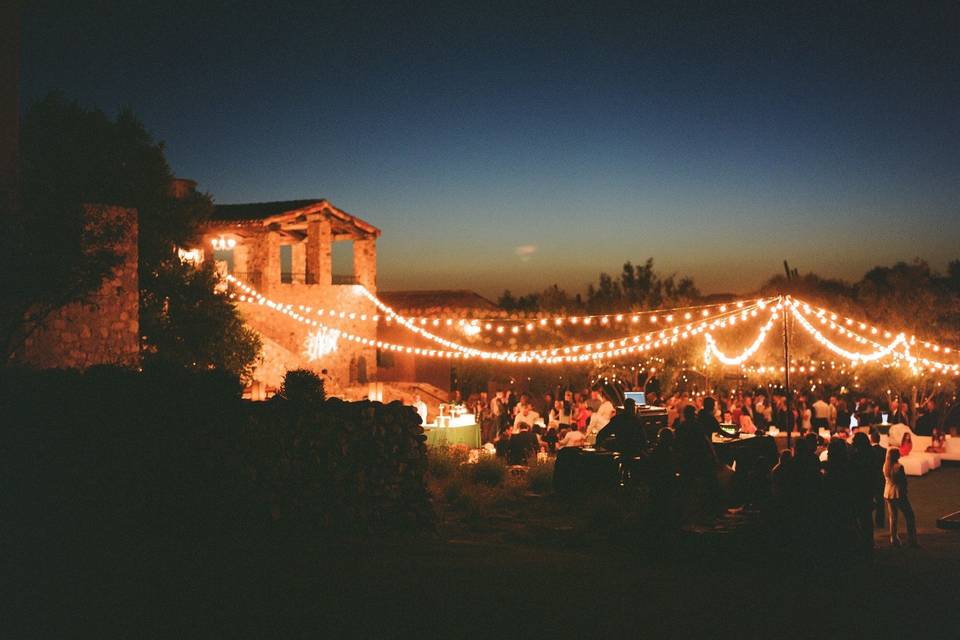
(105, 330)
(286, 338)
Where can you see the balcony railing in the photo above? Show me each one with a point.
(289, 277)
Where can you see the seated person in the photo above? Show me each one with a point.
(896, 433)
(527, 415)
(571, 438)
(746, 424)
(906, 445)
(623, 433)
(938, 441)
(522, 445)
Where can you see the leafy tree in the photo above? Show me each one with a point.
(49, 255)
(302, 386)
(186, 323)
(72, 156)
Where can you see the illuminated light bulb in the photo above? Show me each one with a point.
(500, 329)
(723, 308)
(586, 321)
(543, 322)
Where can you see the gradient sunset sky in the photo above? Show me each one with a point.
(503, 146)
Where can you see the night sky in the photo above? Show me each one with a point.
(504, 147)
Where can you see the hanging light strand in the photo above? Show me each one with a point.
(555, 355)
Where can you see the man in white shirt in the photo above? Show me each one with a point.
(526, 415)
(421, 408)
(572, 438)
(821, 414)
(605, 413)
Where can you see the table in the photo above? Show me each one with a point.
(468, 434)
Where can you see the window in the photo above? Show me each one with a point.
(286, 263)
(341, 262)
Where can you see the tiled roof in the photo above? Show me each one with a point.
(258, 210)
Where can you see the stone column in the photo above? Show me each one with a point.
(298, 266)
(365, 261)
(318, 247)
(265, 262)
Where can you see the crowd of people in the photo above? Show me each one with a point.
(838, 487)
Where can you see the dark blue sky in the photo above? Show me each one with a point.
(513, 147)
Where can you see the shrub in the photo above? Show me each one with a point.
(453, 491)
(540, 477)
(442, 462)
(302, 385)
(489, 471)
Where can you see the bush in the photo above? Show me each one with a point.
(489, 471)
(302, 385)
(453, 491)
(540, 477)
(443, 462)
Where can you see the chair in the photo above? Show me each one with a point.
(915, 464)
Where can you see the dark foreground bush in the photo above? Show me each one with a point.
(113, 457)
(540, 477)
(443, 462)
(489, 471)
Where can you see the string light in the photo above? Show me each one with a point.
(853, 356)
(653, 340)
(876, 331)
(501, 324)
(553, 355)
(713, 350)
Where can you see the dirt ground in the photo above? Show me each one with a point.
(459, 585)
(523, 575)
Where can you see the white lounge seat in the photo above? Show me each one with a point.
(915, 465)
(952, 453)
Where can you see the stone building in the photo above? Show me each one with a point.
(404, 368)
(106, 328)
(285, 251)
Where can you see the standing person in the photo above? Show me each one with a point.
(879, 457)
(927, 420)
(821, 414)
(843, 416)
(899, 415)
(624, 430)
(707, 417)
(832, 419)
(595, 401)
(421, 408)
(603, 415)
(895, 493)
(864, 477)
